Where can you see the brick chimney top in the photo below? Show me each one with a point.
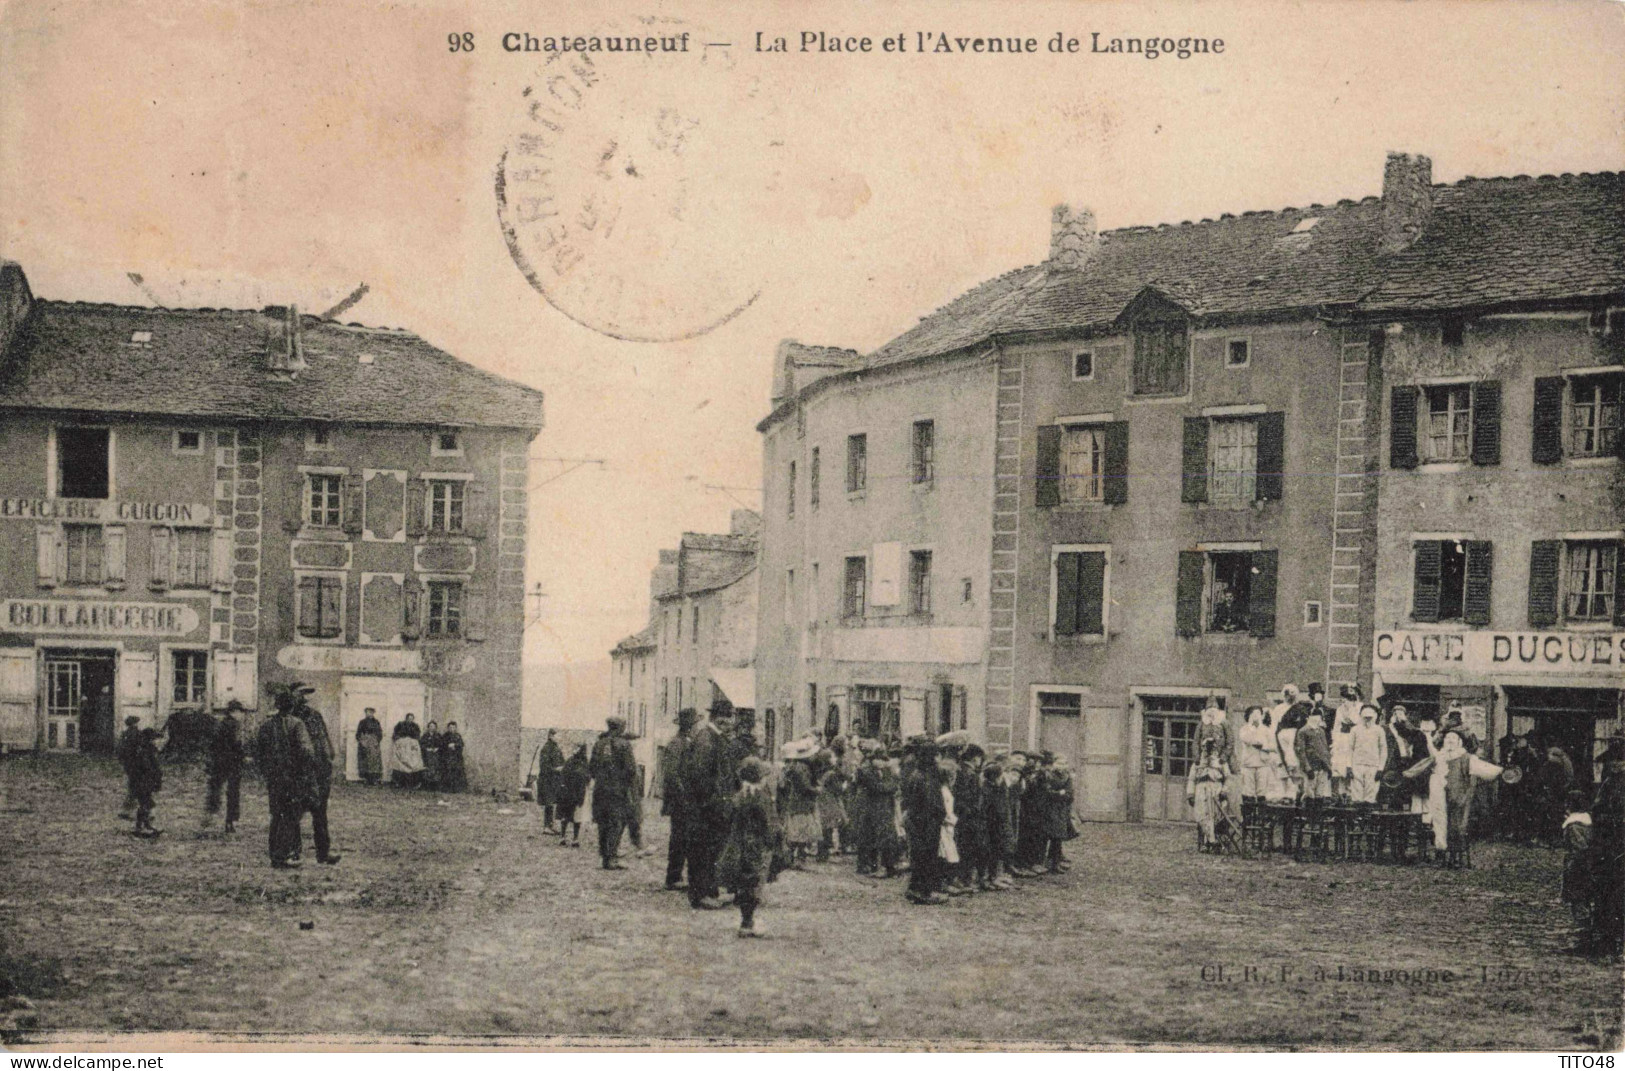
(284, 346)
(1073, 238)
(1407, 200)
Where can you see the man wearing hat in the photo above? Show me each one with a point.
(285, 759)
(1608, 849)
(225, 767)
(128, 742)
(672, 803)
(924, 811)
(321, 773)
(614, 779)
(706, 774)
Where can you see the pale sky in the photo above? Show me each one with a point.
(250, 153)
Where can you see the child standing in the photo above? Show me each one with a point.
(747, 857)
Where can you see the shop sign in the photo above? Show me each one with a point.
(1485, 655)
(105, 510)
(95, 617)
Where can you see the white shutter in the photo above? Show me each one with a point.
(235, 677)
(114, 540)
(888, 574)
(138, 688)
(19, 680)
(220, 559)
(45, 541)
(162, 568)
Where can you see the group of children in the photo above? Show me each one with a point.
(957, 821)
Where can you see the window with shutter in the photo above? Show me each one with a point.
(1426, 564)
(1486, 449)
(1271, 458)
(1188, 593)
(1194, 461)
(1402, 431)
(45, 536)
(115, 556)
(324, 496)
(1590, 584)
(445, 615)
(1233, 461)
(1545, 561)
(1480, 571)
(1116, 489)
(1594, 416)
(1261, 597)
(162, 567)
(320, 606)
(355, 503)
(1080, 595)
(86, 554)
(189, 552)
(1546, 438)
(417, 508)
(1066, 593)
(1083, 464)
(857, 463)
(1048, 470)
(1230, 591)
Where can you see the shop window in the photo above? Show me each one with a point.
(84, 554)
(919, 582)
(855, 588)
(857, 463)
(190, 551)
(1591, 581)
(446, 502)
(190, 678)
(445, 619)
(320, 606)
(324, 500)
(923, 464)
(83, 466)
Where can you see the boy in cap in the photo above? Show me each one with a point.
(128, 742)
(146, 778)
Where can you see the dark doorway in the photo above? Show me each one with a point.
(80, 702)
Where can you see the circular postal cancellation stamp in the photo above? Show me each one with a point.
(623, 187)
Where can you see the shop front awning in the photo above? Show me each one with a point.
(739, 685)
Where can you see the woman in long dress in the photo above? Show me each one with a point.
(453, 775)
(407, 768)
(430, 745)
(369, 743)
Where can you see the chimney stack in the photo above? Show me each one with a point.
(1073, 239)
(15, 300)
(1407, 200)
(284, 346)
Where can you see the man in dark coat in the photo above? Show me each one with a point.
(1000, 788)
(146, 778)
(225, 768)
(284, 751)
(549, 768)
(1030, 839)
(672, 803)
(128, 742)
(706, 774)
(1608, 850)
(970, 828)
(924, 812)
(321, 774)
(876, 813)
(614, 779)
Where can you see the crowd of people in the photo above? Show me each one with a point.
(420, 757)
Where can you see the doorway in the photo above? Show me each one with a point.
(390, 699)
(79, 700)
(879, 711)
(1168, 747)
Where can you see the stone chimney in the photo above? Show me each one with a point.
(1407, 200)
(15, 301)
(1073, 238)
(284, 344)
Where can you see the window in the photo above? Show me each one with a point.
(85, 554)
(324, 500)
(1594, 425)
(188, 442)
(854, 590)
(789, 596)
(1451, 580)
(446, 444)
(321, 606)
(1237, 353)
(1083, 464)
(445, 608)
(141, 338)
(446, 498)
(695, 629)
(812, 708)
(924, 464)
(1078, 588)
(679, 623)
(1170, 744)
(857, 463)
(1449, 423)
(965, 590)
(1452, 329)
(1591, 585)
(812, 594)
(318, 439)
(1083, 364)
(679, 693)
(790, 492)
(190, 548)
(190, 678)
(812, 480)
(1233, 461)
(1229, 591)
(919, 582)
(83, 469)
(877, 711)
(1161, 352)
(665, 695)
(1311, 613)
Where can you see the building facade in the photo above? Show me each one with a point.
(209, 502)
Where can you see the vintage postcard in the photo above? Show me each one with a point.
(814, 525)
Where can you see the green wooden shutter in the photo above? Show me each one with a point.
(1049, 465)
(1487, 422)
(1115, 489)
(1402, 428)
(1188, 594)
(1546, 438)
(1091, 602)
(1261, 594)
(1428, 556)
(1271, 457)
(1545, 560)
(1066, 593)
(1480, 569)
(1193, 461)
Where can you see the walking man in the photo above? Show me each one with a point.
(672, 803)
(128, 743)
(321, 773)
(614, 776)
(549, 770)
(225, 768)
(284, 750)
(705, 773)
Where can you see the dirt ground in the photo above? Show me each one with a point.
(456, 916)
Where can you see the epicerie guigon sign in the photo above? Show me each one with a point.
(101, 509)
(1488, 654)
(98, 617)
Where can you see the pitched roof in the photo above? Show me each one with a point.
(638, 641)
(212, 363)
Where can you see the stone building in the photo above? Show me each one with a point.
(877, 491)
(204, 502)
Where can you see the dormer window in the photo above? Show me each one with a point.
(1161, 354)
(188, 442)
(317, 439)
(1452, 330)
(446, 444)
